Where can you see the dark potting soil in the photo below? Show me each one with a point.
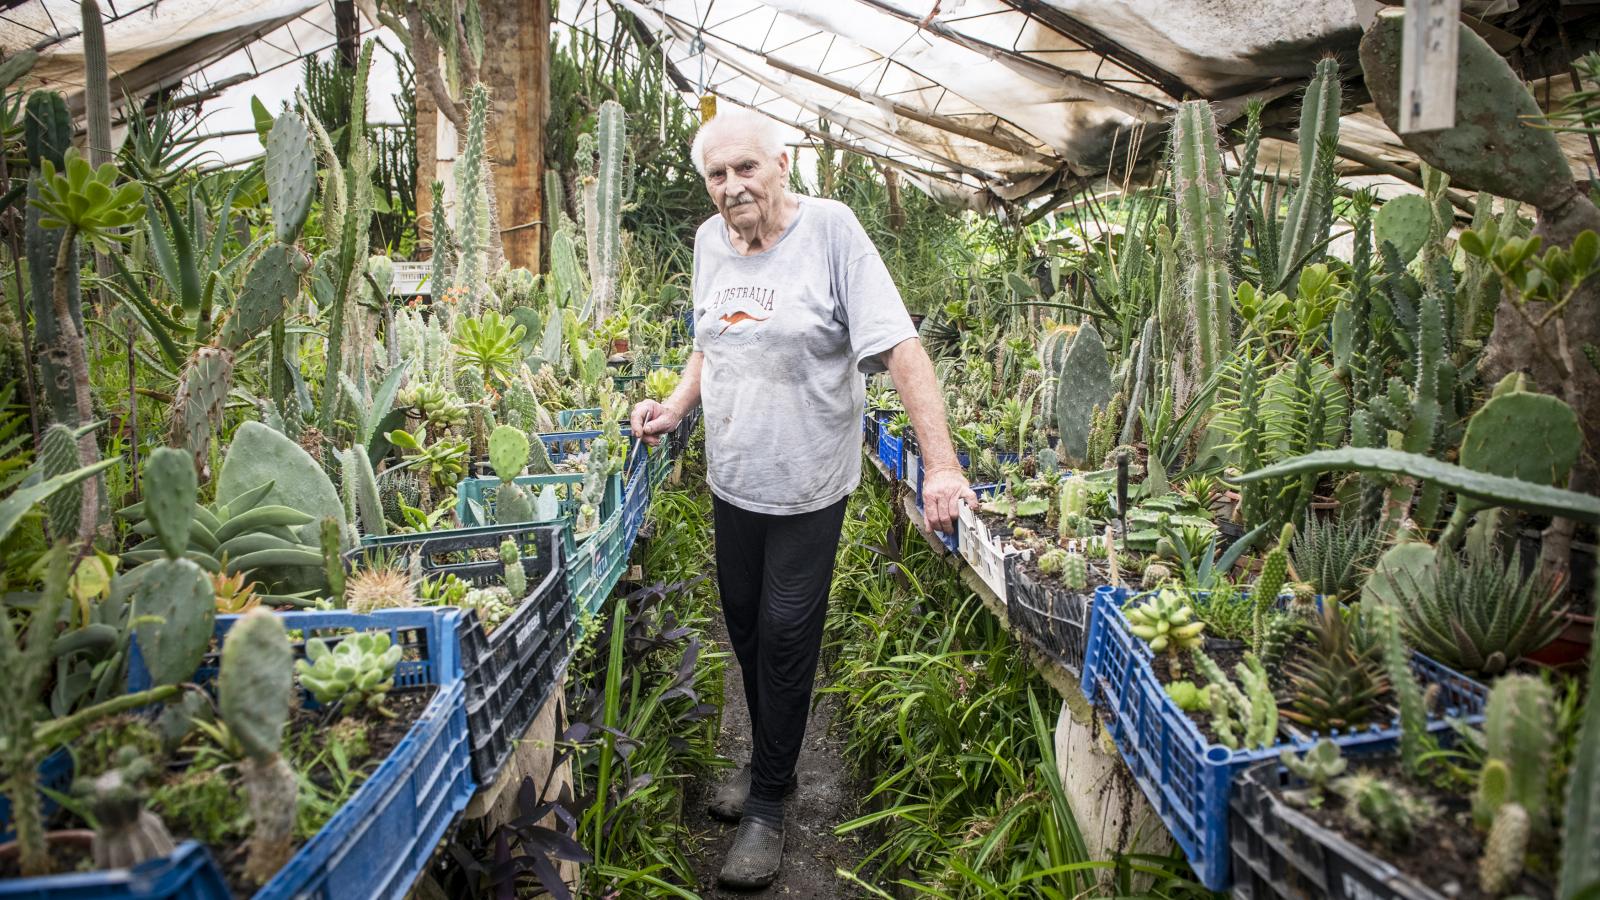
(383, 735)
(1443, 854)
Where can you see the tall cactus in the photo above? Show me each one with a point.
(1519, 735)
(48, 131)
(1311, 205)
(472, 205)
(608, 184)
(96, 84)
(1203, 237)
(1580, 856)
(1414, 740)
(256, 682)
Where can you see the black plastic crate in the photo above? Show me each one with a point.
(1054, 619)
(511, 671)
(1279, 853)
(678, 442)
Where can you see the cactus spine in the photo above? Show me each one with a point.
(256, 680)
(58, 455)
(1199, 191)
(1311, 206)
(197, 407)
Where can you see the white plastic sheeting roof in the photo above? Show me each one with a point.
(1012, 99)
(224, 51)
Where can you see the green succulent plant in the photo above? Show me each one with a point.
(491, 347)
(358, 672)
(660, 384)
(1319, 766)
(1166, 621)
(1338, 679)
(1334, 556)
(87, 201)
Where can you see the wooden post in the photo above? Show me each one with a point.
(347, 28)
(1428, 65)
(517, 71)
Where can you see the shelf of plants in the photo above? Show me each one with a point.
(511, 648)
(382, 837)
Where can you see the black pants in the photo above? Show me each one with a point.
(774, 573)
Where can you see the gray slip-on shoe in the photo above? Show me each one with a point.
(755, 857)
(728, 802)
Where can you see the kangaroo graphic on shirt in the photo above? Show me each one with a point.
(735, 318)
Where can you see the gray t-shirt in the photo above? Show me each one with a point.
(788, 336)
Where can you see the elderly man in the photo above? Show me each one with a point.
(792, 306)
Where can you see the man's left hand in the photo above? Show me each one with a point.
(943, 492)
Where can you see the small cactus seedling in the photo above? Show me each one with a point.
(254, 692)
(127, 832)
(1318, 767)
(1273, 571)
(358, 672)
(1380, 808)
(1166, 622)
(1075, 572)
(1188, 696)
(1052, 562)
(515, 578)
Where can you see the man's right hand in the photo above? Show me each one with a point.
(651, 420)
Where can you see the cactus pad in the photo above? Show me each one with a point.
(1533, 437)
(169, 497)
(508, 451)
(1084, 385)
(178, 593)
(1403, 223)
(291, 176)
(255, 683)
(274, 280)
(58, 455)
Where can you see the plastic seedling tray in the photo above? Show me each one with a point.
(380, 841)
(1280, 853)
(1189, 780)
(984, 551)
(508, 670)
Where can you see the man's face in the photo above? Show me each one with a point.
(746, 183)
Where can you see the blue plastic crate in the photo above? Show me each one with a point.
(915, 471)
(891, 452)
(1188, 780)
(188, 874)
(636, 497)
(381, 840)
(563, 444)
(566, 418)
(508, 672)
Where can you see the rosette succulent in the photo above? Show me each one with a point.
(357, 672)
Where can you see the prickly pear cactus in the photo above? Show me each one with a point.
(1085, 383)
(58, 455)
(291, 173)
(1403, 222)
(197, 407)
(178, 595)
(255, 682)
(274, 281)
(508, 451)
(170, 490)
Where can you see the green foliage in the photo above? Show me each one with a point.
(1244, 716)
(489, 346)
(1319, 766)
(86, 201)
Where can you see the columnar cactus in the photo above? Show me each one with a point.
(1274, 569)
(253, 693)
(472, 204)
(609, 184)
(1075, 572)
(1311, 205)
(1519, 734)
(1200, 191)
(1414, 739)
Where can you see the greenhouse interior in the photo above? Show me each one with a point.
(821, 448)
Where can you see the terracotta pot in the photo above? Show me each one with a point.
(82, 838)
(619, 345)
(1571, 646)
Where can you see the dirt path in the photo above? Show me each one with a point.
(826, 797)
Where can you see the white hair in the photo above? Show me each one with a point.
(738, 120)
